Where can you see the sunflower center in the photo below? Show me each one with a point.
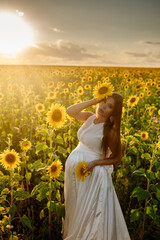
(133, 100)
(57, 115)
(53, 168)
(82, 171)
(25, 144)
(39, 107)
(143, 135)
(10, 158)
(103, 90)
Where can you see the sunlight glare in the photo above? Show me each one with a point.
(15, 34)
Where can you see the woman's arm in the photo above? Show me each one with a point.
(75, 109)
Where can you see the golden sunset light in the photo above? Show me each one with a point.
(79, 120)
(15, 34)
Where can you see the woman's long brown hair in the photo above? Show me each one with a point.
(108, 125)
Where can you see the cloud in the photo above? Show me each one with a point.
(149, 43)
(63, 50)
(69, 53)
(135, 54)
(144, 59)
(154, 55)
(55, 30)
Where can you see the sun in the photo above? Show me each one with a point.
(15, 34)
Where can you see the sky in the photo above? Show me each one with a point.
(89, 32)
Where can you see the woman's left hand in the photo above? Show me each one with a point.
(91, 165)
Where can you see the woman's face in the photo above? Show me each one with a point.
(106, 107)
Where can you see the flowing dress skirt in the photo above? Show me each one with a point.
(92, 208)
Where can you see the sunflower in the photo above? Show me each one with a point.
(51, 84)
(25, 144)
(57, 115)
(40, 107)
(83, 79)
(146, 89)
(132, 101)
(90, 79)
(66, 90)
(103, 90)
(107, 78)
(87, 86)
(141, 95)
(58, 84)
(144, 135)
(80, 171)
(80, 90)
(55, 168)
(76, 82)
(62, 94)
(9, 159)
(138, 87)
(51, 95)
(70, 84)
(56, 89)
(159, 112)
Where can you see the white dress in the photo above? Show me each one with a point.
(92, 209)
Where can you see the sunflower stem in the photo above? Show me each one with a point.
(27, 182)
(125, 150)
(70, 128)
(50, 193)
(11, 175)
(31, 130)
(50, 133)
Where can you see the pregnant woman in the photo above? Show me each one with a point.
(92, 209)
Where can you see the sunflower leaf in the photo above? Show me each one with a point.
(12, 210)
(25, 221)
(51, 205)
(135, 214)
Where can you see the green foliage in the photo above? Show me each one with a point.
(30, 199)
(25, 221)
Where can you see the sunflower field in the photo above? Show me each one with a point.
(37, 136)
